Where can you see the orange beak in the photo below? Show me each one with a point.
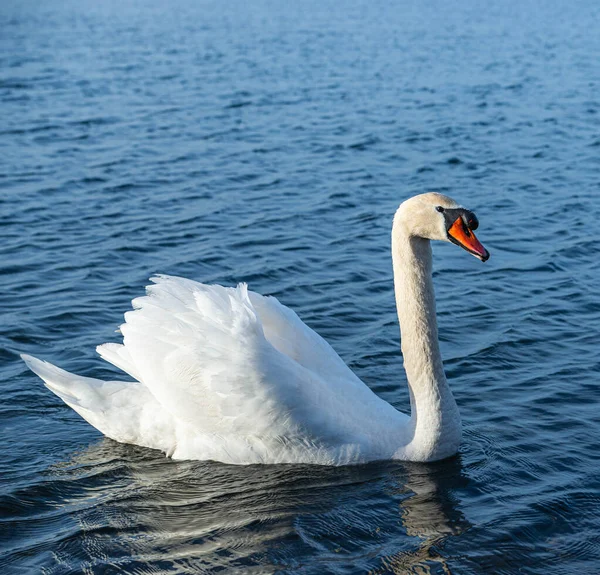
(463, 236)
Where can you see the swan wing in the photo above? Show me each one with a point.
(288, 334)
(244, 377)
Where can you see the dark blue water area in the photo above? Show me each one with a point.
(271, 142)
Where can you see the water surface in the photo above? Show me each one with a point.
(271, 142)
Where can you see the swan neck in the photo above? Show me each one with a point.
(435, 420)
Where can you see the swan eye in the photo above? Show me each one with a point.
(439, 209)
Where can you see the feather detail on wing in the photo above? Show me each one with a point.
(288, 334)
(231, 364)
(202, 352)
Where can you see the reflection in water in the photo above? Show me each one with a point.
(139, 511)
(430, 514)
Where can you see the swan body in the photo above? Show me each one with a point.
(229, 375)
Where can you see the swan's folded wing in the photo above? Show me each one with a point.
(202, 353)
(291, 336)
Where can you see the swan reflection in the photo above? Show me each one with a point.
(141, 511)
(429, 513)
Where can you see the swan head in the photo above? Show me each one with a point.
(433, 216)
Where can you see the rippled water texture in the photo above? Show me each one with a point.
(271, 142)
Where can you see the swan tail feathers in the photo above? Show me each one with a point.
(124, 411)
(71, 388)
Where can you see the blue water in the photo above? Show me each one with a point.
(271, 142)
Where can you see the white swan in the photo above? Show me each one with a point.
(229, 375)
